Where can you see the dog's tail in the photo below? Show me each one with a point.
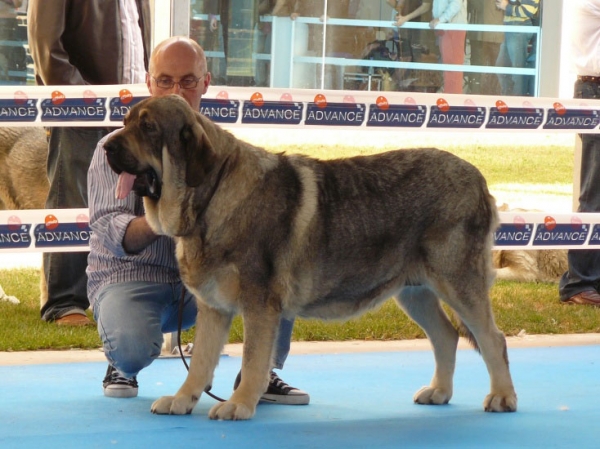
(487, 220)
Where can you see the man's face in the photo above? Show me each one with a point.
(176, 68)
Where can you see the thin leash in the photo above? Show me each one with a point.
(179, 326)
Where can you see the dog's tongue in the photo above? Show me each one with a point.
(124, 185)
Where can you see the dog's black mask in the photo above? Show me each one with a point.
(147, 184)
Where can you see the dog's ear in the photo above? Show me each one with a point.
(199, 154)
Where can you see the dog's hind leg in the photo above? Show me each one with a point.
(260, 331)
(212, 332)
(422, 305)
(469, 299)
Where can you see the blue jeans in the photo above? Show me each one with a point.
(133, 316)
(70, 152)
(584, 264)
(513, 53)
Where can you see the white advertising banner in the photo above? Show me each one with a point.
(68, 230)
(368, 110)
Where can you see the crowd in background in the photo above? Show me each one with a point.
(242, 29)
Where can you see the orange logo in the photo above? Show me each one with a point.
(58, 97)
(382, 103)
(550, 223)
(410, 100)
(502, 107)
(51, 222)
(257, 99)
(125, 96)
(443, 105)
(320, 101)
(559, 108)
(223, 95)
(286, 98)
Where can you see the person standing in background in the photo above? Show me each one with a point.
(81, 42)
(513, 51)
(485, 45)
(580, 284)
(262, 42)
(450, 42)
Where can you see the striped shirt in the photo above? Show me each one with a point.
(134, 70)
(108, 263)
(521, 12)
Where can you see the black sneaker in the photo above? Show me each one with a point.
(117, 386)
(279, 392)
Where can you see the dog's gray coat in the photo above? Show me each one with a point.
(271, 235)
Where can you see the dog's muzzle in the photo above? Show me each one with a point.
(147, 184)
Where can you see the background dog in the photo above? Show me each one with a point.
(270, 235)
(23, 179)
(529, 265)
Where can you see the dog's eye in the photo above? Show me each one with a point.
(147, 126)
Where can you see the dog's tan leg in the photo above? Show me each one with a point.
(260, 330)
(492, 344)
(422, 305)
(212, 332)
(471, 302)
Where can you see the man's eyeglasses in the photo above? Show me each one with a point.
(185, 83)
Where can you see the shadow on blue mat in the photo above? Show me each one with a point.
(357, 400)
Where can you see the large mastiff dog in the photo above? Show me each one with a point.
(271, 235)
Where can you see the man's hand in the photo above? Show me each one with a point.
(434, 23)
(501, 4)
(400, 20)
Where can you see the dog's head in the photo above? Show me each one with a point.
(161, 134)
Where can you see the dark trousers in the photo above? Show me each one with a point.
(70, 152)
(584, 264)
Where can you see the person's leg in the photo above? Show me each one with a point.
(584, 265)
(132, 318)
(452, 49)
(504, 61)
(170, 315)
(489, 84)
(260, 46)
(282, 345)
(516, 46)
(70, 152)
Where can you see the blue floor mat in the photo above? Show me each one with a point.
(361, 400)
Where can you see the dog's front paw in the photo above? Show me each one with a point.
(432, 396)
(231, 411)
(174, 405)
(500, 403)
